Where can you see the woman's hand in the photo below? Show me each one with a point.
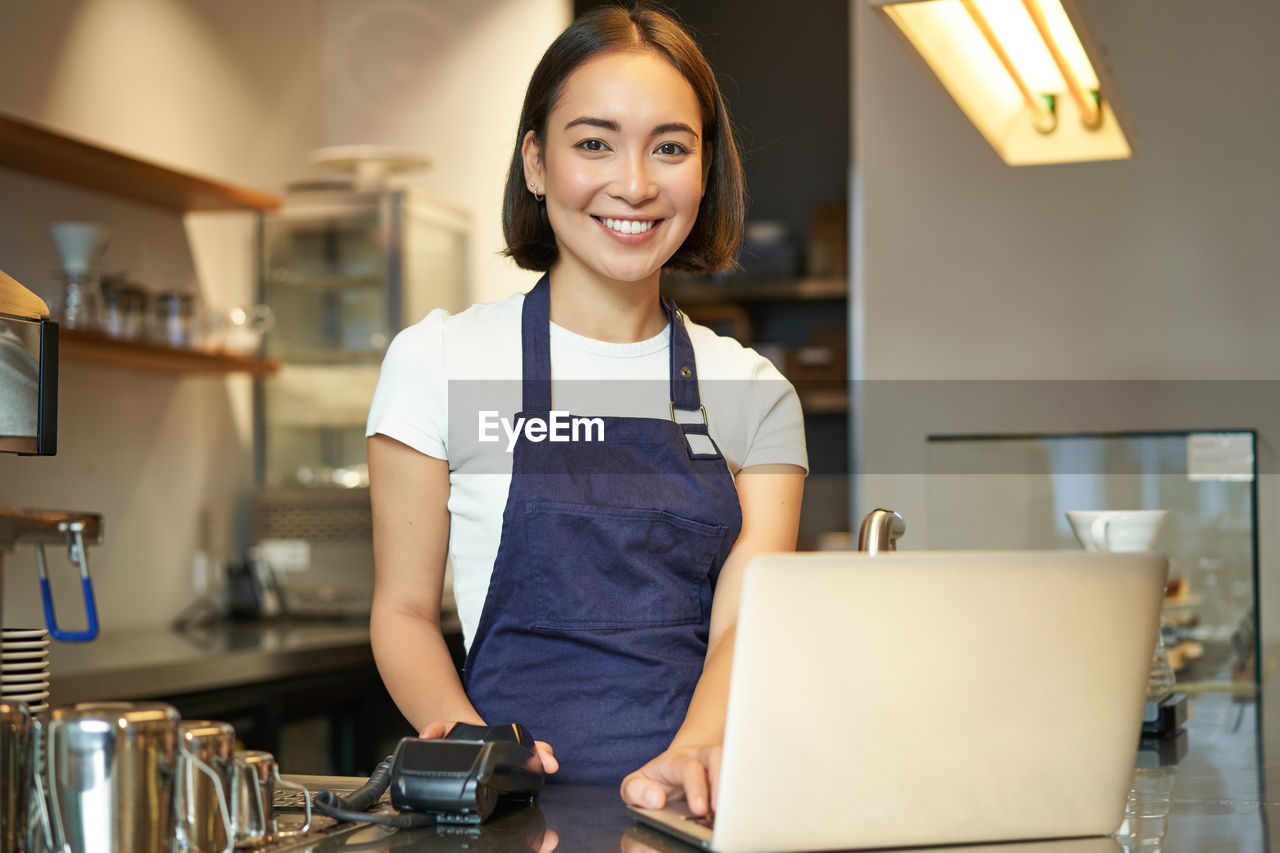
(439, 728)
(689, 772)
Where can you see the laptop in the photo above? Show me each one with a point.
(927, 698)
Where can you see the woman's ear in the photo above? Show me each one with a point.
(531, 152)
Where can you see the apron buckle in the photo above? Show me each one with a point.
(701, 408)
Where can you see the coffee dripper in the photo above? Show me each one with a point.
(80, 246)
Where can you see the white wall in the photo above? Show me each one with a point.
(222, 87)
(1157, 268)
(240, 90)
(445, 78)
(226, 88)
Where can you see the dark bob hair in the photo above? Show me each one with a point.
(712, 244)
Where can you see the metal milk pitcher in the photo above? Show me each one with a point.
(110, 768)
(203, 790)
(17, 771)
(254, 777)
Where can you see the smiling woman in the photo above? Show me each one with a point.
(621, 167)
(717, 230)
(597, 576)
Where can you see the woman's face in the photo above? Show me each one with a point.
(621, 166)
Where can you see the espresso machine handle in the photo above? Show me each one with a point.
(80, 557)
(880, 531)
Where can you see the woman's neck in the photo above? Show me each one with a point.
(606, 310)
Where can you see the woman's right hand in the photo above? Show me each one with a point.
(439, 728)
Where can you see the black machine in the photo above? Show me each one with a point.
(458, 779)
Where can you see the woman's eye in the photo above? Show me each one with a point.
(671, 149)
(592, 145)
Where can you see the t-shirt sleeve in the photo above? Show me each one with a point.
(779, 438)
(410, 403)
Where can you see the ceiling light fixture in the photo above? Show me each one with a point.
(1023, 71)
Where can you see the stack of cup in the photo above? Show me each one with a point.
(24, 667)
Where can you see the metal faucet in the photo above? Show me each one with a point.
(40, 527)
(880, 531)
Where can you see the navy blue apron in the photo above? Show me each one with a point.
(595, 625)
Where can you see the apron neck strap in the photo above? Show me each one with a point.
(535, 332)
(535, 338)
(684, 369)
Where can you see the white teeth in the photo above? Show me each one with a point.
(627, 226)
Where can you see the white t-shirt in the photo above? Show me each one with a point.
(449, 381)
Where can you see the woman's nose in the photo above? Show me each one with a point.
(634, 182)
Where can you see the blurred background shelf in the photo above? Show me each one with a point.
(94, 348)
(703, 291)
(42, 151)
(824, 401)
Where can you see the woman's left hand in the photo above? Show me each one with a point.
(688, 772)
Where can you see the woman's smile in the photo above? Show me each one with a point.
(629, 230)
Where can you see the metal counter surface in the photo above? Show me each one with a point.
(163, 662)
(1218, 789)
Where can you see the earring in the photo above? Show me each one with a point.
(534, 188)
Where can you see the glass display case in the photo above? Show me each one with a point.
(343, 272)
(1012, 491)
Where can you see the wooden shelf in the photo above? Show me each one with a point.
(94, 348)
(42, 151)
(734, 290)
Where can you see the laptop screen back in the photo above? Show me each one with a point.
(935, 697)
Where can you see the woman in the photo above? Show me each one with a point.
(596, 575)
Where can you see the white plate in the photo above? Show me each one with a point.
(23, 633)
(11, 666)
(41, 683)
(26, 697)
(24, 686)
(24, 677)
(33, 655)
(25, 645)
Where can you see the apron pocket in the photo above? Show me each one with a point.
(613, 567)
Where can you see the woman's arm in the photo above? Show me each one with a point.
(770, 498)
(410, 494)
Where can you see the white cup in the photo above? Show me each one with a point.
(1118, 529)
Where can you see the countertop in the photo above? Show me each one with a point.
(160, 661)
(1214, 789)
(1212, 793)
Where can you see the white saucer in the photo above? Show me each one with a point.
(25, 681)
(11, 666)
(29, 675)
(23, 689)
(25, 645)
(26, 697)
(34, 655)
(23, 632)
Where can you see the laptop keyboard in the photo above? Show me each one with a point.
(708, 820)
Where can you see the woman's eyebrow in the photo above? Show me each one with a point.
(608, 124)
(674, 127)
(604, 123)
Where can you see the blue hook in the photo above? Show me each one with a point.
(76, 551)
